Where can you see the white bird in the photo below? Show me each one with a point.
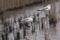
(46, 8)
(29, 19)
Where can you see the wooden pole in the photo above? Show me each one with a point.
(54, 10)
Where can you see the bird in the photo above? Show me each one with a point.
(46, 8)
(28, 19)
